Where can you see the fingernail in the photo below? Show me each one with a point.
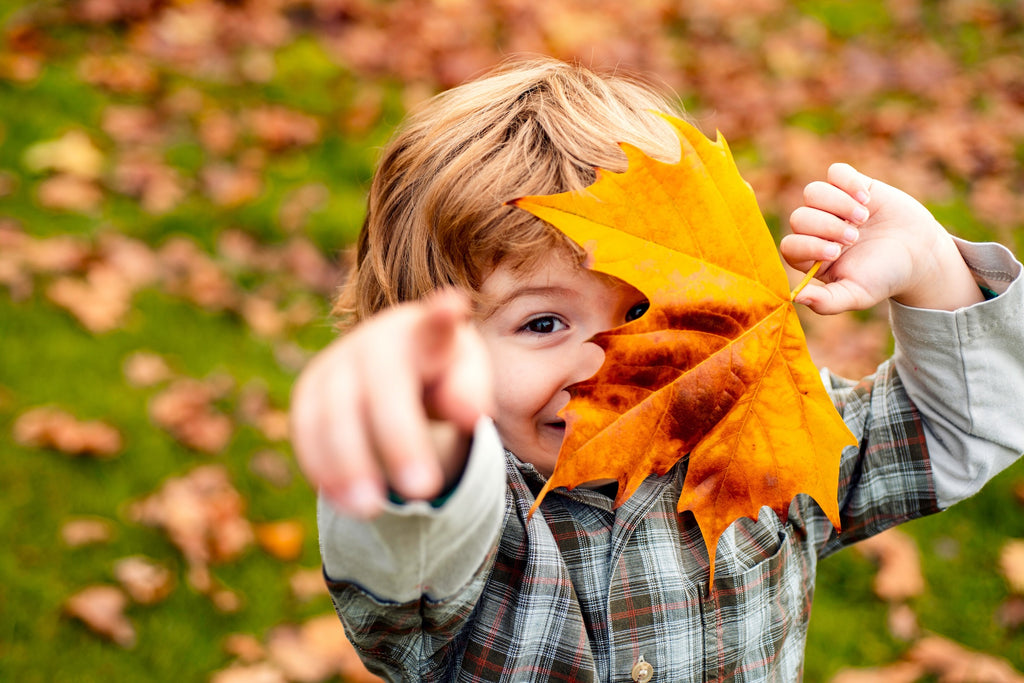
(850, 235)
(361, 498)
(416, 480)
(832, 251)
(862, 196)
(860, 214)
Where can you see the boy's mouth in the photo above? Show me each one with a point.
(557, 424)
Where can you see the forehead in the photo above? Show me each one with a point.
(555, 274)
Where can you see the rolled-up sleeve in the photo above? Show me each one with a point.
(415, 550)
(964, 372)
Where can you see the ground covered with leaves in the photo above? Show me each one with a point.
(177, 182)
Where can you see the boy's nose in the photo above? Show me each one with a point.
(588, 360)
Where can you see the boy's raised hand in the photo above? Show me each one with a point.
(392, 405)
(875, 242)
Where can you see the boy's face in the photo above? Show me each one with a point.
(536, 325)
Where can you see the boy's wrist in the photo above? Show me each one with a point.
(948, 285)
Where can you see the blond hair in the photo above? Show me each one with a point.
(436, 211)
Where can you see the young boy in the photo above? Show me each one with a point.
(431, 425)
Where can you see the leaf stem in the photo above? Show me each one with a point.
(807, 278)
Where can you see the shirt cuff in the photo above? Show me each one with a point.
(415, 549)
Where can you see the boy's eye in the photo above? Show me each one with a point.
(637, 311)
(545, 324)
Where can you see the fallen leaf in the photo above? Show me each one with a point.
(203, 515)
(144, 369)
(902, 622)
(50, 427)
(1010, 614)
(1011, 563)
(186, 410)
(64, 192)
(146, 581)
(263, 672)
(247, 648)
(73, 154)
(307, 584)
(101, 609)
(283, 539)
(122, 73)
(279, 128)
(954, 663)
(190, 273)
(899, 574)
(99, 301)
(717, 368)
(86, 531)
(230, 186)
(898, 672)
(316, 650)
(271, 466)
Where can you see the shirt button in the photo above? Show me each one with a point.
(642, 671)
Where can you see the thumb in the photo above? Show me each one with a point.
(831, 298)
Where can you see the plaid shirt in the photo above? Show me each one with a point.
(581, 591)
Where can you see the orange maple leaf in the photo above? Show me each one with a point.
(718, 366)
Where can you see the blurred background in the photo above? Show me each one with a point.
(178, 182)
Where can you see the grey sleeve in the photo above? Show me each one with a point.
(414, 549)
(964, 371)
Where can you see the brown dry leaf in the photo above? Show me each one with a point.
(133, 125)
(254, 408)
(263, 317)
(902, 622)
(299, 203)
(203, 515)
(278, 128)
(283, 539)
(56, 255)
(50, 427)
(145, 368)
(899, 672)
(307, 584)
(86, 531)
(64, 192)
(146, 581)
(218, 131)
(101, 609)
(271, 466)
(124, 73)
(953, 663)
(1011, 563)
(247, 648)
(186, 410)
(899, 565)
(99, 301)
(262, 672)
(316, 650)
(144, 176)
(230, 186)
(1010, 614)
(190, 273)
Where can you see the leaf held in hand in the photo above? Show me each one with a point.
(717, 367)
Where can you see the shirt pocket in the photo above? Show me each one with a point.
(756, 613)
